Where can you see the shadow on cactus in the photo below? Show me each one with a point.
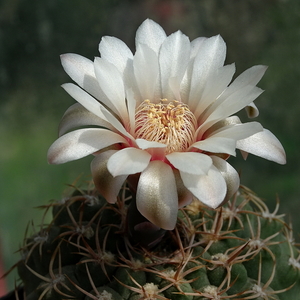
(166, 218)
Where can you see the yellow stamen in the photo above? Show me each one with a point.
(168, 122)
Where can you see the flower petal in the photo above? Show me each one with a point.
(264, 144)
(131, 104)
(107, 185)
(238, 131)
(173, 60)
(223, 140)
(190, 162)
(81, 70)
(156, 196)
(115, 51)
(144, 144)
(84, 99)
(80, 143)
(150, 34)
(238, 95)
(209, 58)
(111, 82)
(250, 77)
(116, 123)
(185, 197)
(252, 110)
(147, 82)
(225, 107)
(76, 116)
(128, 161)
(210, 189)
(155, 149)
(233, 120)
(230, 175)
(196, 45)
(215, 85)
(217, 145)
(185, 84)
(95, 107)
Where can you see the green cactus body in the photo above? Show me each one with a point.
(239, 251)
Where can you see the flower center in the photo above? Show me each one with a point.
(168, 122)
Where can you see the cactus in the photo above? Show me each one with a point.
(239, 251)
(161, 126)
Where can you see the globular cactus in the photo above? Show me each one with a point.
(239, 251)
(161, 123)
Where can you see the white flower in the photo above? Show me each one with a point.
(162, 118)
